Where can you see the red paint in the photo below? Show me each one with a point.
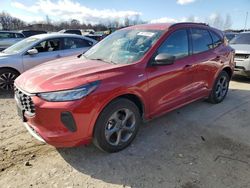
(160, 88)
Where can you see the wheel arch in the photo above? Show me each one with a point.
(229, 71)
(11, 68)
(130, 96)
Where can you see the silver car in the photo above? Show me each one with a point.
(8, 38)
(36, 50)
(241, 44)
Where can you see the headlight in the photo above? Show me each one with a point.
(69, 95)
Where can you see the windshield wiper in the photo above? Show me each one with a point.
(104, 60)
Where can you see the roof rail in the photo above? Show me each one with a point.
(180, 23)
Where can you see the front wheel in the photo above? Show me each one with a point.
(7, 78)
(117, 125)
(220, 88)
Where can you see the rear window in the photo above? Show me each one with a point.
(72, 43)
(201, 39)
(78, 32)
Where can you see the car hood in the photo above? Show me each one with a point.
(3, 55)
(62, 74)
(241, 48)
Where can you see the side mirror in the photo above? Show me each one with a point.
(32, 51)
(164, 59)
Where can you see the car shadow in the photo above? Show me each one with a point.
(168, 151)
(6, 94)
(241, 79)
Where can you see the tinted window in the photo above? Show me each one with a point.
(72, 43)
(48, 45)
(32, 33)
(7, 35)
(201, 40)
(216, 39)
(78, 32)
(176, 44)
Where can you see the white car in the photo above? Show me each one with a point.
(36, 50)
(241, 44)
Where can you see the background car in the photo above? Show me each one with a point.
(230, 35)
(38, 49)
(29, 33)
(71, 31)
(97, 37)
(8, 38)
(241, 44)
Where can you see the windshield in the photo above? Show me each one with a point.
(243, 38)
(124, 46)
(230, 36)
(18, 47)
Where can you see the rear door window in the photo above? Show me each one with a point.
(176, 44)
(73, 43)
(201, 40)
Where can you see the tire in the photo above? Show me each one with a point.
(220, 88)
(7, 78)
(117, 125)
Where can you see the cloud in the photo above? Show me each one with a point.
(69, 9)
(27, 18)
(174, 20)
(164, 20)
(184, 2)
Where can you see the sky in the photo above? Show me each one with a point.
(103, 11)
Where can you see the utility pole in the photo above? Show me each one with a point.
(246, 22)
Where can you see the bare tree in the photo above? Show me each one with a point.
(228, 22)
(10, 23)
(216, 21)
(126, 21)
(75, 24)
(191, 19)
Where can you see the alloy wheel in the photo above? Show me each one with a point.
(221, 87)
(7, 80)
(120, 127)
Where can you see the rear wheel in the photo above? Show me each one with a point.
(7, 78)
(117, 125)
(220, 88)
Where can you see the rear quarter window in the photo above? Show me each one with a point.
(217, 40)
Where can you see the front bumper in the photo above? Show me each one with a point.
(48, 126)
(33, 132)
(242, 67)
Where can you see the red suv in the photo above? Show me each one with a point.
(134, 74)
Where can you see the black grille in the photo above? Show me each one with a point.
(242, 56)
(25, 101)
